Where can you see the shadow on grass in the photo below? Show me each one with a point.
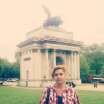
(4, 85)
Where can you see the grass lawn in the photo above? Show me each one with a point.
(93, 83)
(28, 96)
(4, 85)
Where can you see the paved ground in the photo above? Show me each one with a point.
(100, 87)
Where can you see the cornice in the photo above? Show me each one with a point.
(49, 39)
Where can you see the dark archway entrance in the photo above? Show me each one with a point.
(59, 61)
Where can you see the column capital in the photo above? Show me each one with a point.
(78, 52)
(20, 53)
(34, 50)
(75, 52)
(46, 49)
(72, 51)
(29, 51)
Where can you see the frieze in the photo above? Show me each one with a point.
(52, 40)
(27, 59)
(34, 50)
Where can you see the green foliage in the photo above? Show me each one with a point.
(16, 70)
(94, 57)
(84, 68)
(89, 49)
(97, 63)
(16, 65)
(1, 67)
(7, 66)
(10, 70)
(17, 56)
(102, 71)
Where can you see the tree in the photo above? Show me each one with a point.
(95, 57)
(17, 56)
(102, 71)
(10, 70)
(89, 49)
(51, 21)
(1, 67)
(82, 47)
(97, 62)
(6, 68)
(16, 70)
(16, 65)
(84, 69)
(102, 47)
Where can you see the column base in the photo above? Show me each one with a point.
(44, 83)
(36, 83)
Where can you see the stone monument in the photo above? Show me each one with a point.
(44, 48)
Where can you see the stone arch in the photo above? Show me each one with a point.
(59, 61)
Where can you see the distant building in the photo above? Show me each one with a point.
(44, 48)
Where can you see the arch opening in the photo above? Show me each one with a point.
(59, 61)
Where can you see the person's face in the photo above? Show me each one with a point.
(59, 76)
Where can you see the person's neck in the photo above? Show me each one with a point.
(60, 86)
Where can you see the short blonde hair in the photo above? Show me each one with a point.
(63, 67)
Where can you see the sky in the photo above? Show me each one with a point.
(84, 18)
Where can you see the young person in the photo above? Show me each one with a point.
(60, 93)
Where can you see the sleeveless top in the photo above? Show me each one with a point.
(59, 100)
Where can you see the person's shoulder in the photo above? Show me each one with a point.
(71, 91)
(49, 87)
(52, 86)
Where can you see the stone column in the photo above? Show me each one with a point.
(65, 58)
(21, 65)
(69, 66)
(37, 64)
(34, 58)
(54, 58)
(46, 64)
(75, 66)
(72, 73)
(44, 72)
(78, 66)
